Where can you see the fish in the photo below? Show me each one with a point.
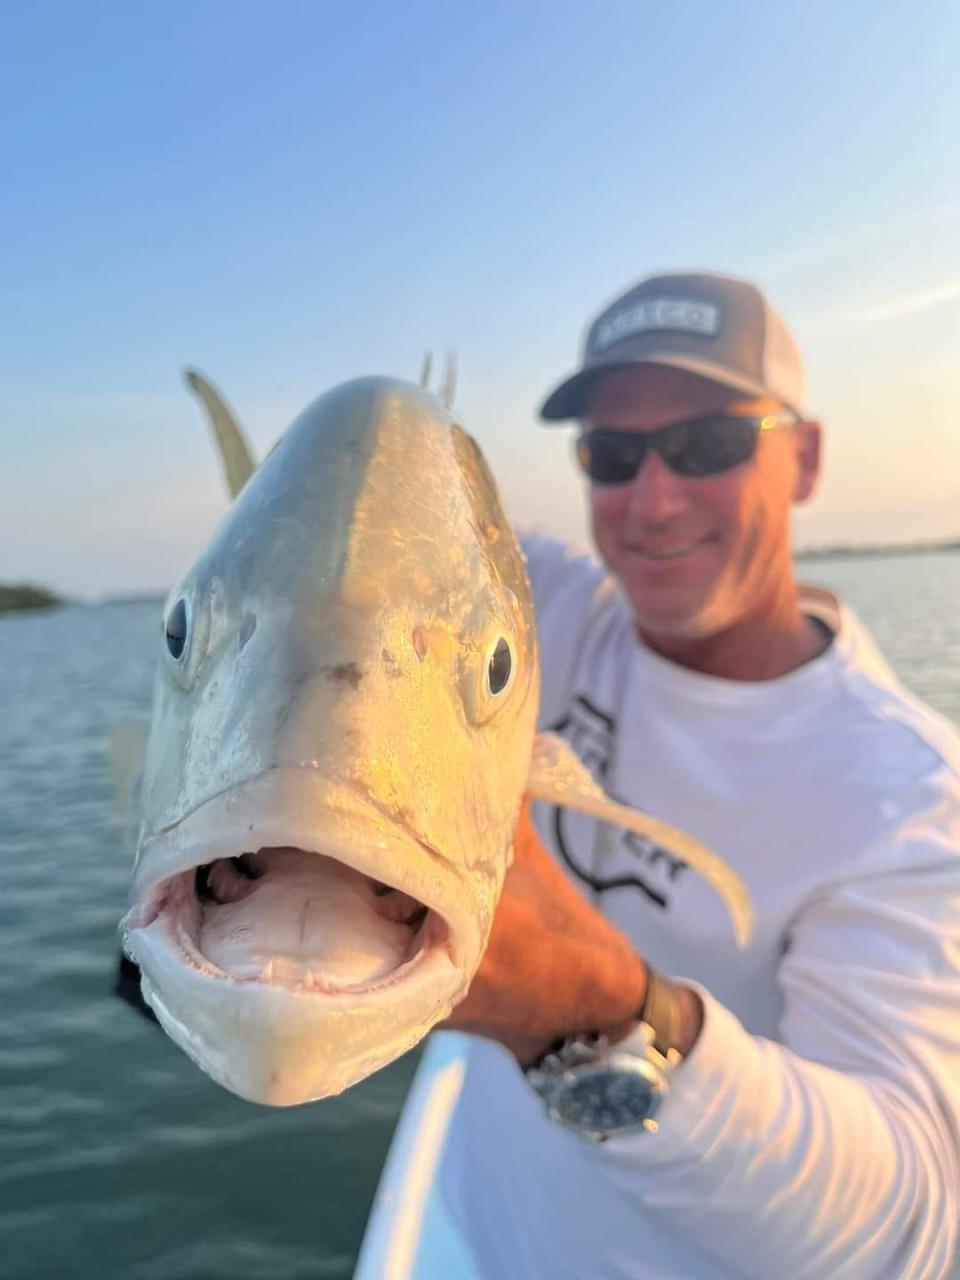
(343, 732)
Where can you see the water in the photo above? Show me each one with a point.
(117, 1156)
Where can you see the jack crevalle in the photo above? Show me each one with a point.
(343, 730)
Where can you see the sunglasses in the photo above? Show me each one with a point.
(704, 446)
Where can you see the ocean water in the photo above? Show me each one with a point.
(117, 1156)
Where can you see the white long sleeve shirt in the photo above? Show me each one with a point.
(814, 1130)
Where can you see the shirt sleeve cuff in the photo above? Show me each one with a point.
(707, 1094)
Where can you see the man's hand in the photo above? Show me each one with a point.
(554, 966)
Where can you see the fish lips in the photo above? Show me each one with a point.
(283, 1045)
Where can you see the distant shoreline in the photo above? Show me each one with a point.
(852, 550)
(25, 596)
(15, 597)
(129, 597)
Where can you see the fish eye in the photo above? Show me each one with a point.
(176, 629)
(490, 657)
(499, 667)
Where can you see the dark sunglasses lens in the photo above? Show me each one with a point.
(610, 457)
(709, 446)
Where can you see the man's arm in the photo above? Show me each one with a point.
(833, 1154)
(554, 966)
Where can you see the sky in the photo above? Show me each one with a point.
(287, 195)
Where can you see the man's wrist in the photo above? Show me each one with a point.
(605, 988)
(674, 1011)
(621, 989)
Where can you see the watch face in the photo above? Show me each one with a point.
(606, 1100)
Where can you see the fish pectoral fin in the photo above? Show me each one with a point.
(235, 453)
(558, 776)
(128, 751)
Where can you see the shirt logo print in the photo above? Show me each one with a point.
(591, 732)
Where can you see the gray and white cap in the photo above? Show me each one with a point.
(715, 326)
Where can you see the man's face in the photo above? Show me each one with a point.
(697, 555)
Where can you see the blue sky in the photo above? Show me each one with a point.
(287, 195)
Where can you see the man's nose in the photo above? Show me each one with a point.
(656, 492)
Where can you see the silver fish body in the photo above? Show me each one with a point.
(342, 731)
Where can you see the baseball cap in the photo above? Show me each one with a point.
(715, 326)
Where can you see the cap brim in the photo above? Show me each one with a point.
(569, 400)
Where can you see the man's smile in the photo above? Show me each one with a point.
(666, 550)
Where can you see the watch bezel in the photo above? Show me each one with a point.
(652, 1075)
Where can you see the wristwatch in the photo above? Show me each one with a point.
(601, 1091)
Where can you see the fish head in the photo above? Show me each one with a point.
(343, 722)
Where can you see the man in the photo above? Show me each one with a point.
(790, 1109)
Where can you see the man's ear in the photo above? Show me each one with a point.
(809, 437)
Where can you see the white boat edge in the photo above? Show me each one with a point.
(409, 1234)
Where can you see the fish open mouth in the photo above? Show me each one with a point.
(291, 918)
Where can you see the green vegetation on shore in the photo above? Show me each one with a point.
(23, 595)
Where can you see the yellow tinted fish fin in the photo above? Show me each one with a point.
(238, 463)
(558, 776)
